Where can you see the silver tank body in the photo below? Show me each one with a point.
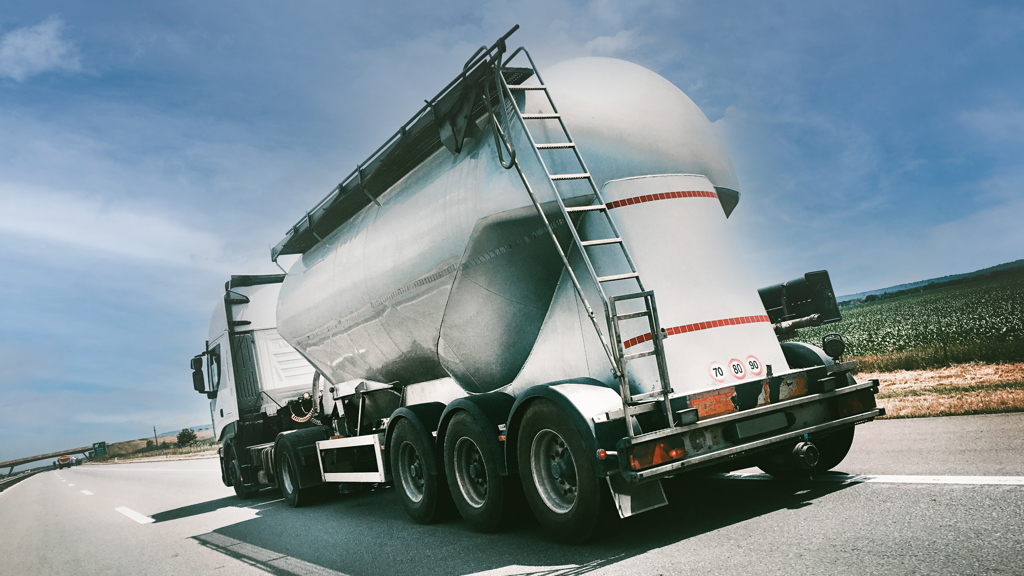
(453, 274)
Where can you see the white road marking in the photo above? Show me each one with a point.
(261, 557)
(70, 485)
(135, 515)
(86, 492)
(891, 479)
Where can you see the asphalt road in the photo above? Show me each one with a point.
(935, 496)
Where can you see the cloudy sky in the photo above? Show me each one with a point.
(150, 150)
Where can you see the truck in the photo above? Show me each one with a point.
(63, 462)
(477, 315)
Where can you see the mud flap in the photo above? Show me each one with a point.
(633, 499)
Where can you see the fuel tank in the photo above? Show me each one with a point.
(454, 275)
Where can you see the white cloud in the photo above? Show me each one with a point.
(996, 124)
(34, 50)
(96, 226)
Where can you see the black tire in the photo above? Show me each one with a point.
(476, 485)
(424, 495)
(243, 492)
(288, 481)
(832, 447)
(558, 476)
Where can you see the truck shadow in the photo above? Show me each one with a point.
(368, 533)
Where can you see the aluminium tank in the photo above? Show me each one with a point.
(454, 275)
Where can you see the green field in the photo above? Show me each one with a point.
(982, 320)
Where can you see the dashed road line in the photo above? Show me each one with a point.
(140, 518)
(86, 492)
(890, 479)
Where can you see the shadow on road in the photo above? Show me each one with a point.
(368, 533)
(214, 505)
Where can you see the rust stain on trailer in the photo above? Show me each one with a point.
(713, 402)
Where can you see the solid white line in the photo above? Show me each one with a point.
(86, 492)
(893, 479)
(134, 515)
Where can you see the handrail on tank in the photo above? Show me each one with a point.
(480, 56)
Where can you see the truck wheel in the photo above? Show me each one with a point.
(288, 481)
(559, 480)
(832, 447)
(242, 491)
(473, 478)
(423, 495)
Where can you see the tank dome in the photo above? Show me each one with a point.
(629, 121)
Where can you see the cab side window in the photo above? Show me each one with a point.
(213, 367)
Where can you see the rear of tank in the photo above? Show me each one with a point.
(453, 274)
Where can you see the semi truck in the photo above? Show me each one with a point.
(493, 308)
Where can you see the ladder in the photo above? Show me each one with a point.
(612, 341)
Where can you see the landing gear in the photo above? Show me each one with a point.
(476, 485)
(558, 476)
(423, 494)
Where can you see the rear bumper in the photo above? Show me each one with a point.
(720, 439)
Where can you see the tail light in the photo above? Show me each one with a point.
(651, 454)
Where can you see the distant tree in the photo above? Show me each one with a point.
(871, 298)
(149, 444)
(186, 437)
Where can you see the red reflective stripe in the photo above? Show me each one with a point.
(699, 326)
(661, 196)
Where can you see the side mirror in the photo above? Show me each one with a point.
(197, 363)
(197, 381)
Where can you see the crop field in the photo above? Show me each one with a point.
(981, 321)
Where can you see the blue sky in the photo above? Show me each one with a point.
(150, 150)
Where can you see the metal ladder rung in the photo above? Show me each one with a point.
(615, 277)
(540, 116)
(556, 145)
(629, 357)
(601, 242)
(582, 176)
(659, 394)
(527, 87)
(632, 315)
(591, 208)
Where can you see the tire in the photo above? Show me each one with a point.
(288, 481)
(423, 494)
(832, 447)
(558, 476)
(476, 485)
(243, 492)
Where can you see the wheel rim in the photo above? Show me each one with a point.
(286, 476)
(410, 470)
(554, 471)
(470, 472)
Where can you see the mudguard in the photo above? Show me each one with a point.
(491, 410)
(582, 399)
(425, 417)
(301, 444)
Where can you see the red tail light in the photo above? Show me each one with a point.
(651, 454)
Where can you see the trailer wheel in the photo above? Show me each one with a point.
(477, 487)
(832, 447)
(423, 495)
(559, 480)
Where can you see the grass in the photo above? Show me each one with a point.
(961, 389)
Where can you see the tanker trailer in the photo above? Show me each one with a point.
(481, 304)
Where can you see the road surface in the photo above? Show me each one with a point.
(929, 496)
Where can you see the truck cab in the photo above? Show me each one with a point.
(248, 372)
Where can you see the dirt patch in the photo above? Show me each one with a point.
(973, 388)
